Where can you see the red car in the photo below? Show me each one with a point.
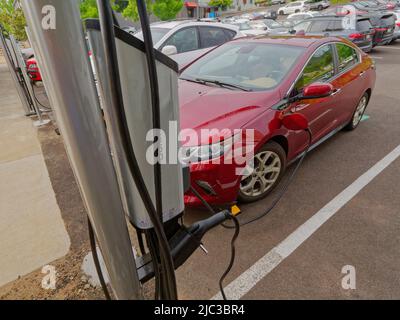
(33, 69)
(251, 83)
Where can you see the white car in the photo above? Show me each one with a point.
(302, 15)
(278, 1)
(186, 40)
(294, 7)
(245, 28)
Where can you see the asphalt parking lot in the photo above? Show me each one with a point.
(345, 200)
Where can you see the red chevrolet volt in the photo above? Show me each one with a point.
(252, 83)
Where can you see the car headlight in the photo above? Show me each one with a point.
(206, 152)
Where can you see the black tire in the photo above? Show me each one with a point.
(296, 11)
(281, 13)
(319, 8)
(351, 125)
(277, 149)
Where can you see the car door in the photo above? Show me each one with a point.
(349, 81)
(319, 112)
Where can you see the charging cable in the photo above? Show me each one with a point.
(236, 222)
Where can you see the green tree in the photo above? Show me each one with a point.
(88, 8)
(167, 9)
(220, 3)
(131, 10)
(12, 20)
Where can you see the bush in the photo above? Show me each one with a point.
(12, 20)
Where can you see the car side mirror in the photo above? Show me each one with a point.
(314, 91)
(292, 31)
(169, 50)
(317, 90)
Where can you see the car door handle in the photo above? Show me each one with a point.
(336, 91)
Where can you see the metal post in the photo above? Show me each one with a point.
(28, 82)
(76, 105)
(11, 67)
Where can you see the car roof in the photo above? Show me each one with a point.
(187, 22)
(297, 41)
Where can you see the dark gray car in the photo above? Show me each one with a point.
(360, 33)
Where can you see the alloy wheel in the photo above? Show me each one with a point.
(359, 111)
(267, 168)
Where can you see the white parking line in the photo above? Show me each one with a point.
(375, 57)
(389, 47)
(248, 279)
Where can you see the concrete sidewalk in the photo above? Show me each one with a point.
(32, 232)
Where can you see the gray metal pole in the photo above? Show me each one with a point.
(10, 64)
(22, 66)
(76, 104)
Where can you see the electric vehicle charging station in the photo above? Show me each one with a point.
(108, 131)
(107, 154)
(23, 84)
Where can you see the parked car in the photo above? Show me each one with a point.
(278, 1)
(251, 83)
(245, 28)
(269, 14)
(384, 25)
(396, 34)
(131, 30)
(361, 34)
(318, 4)
(368, 5)
(27, 53)
(389, 5)
(294, 18)
(269, 25)
(294, 7)
(186, 40)
(33, 70)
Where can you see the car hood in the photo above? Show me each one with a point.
(212, 107)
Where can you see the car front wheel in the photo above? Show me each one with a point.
(269, 167)
(281, 13)
(359, 112)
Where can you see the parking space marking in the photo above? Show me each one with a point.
(248, 279)
(375, 57)
(387, 47)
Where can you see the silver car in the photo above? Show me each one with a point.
(186, 40)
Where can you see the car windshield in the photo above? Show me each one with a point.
(156, 34)
(364, 25)
(272, 24)
(242, 25)
(248, 66)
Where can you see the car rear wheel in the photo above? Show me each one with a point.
(320, 8)
(358, 113)
(281, 13)
(269, 167)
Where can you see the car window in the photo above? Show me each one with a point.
(156, 34)
(364, 25)
(319, 26)
(184, 40)
(230, 34)
(347, 56)
(319, 68)
(388, 21)
(302, 26)
(212, 36)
